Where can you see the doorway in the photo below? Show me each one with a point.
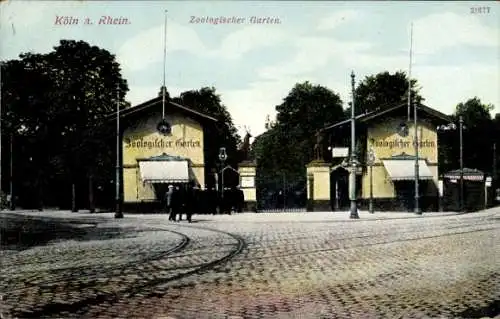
(405, 194)
(339, 189)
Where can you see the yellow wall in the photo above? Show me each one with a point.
(142, 140)
(321, 181)
(249, 193)
(383, 137)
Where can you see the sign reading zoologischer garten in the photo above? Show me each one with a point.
(401, 143)
(161, 143)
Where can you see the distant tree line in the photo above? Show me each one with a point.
(56, 129)
(285, 148)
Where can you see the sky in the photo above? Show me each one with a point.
(264, 48)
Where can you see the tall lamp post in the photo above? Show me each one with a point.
(371, 160)
(352, 176)
(417, 209)
(461, 124)
(118, 208)
(1, 200)
(222, 158)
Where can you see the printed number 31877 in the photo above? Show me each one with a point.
(479, 10)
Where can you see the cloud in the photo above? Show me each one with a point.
(467, 81)
(366, 61)
(250, 106)
(312, 53)
(21, 14)
(444, 30)
(140, 94)
(146, 48)
(337, 18)
(249, 38)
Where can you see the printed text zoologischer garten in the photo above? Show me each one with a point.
(233, 20)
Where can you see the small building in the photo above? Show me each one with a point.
(473, 190)
(151, 160)
(390, 134)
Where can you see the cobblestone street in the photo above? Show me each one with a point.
(282, 265)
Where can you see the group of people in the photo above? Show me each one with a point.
(190, 199)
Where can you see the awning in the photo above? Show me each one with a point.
(469, 174)
(164, 171)
(400, 170)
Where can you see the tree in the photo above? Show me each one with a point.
(286, 147)
(478, 135)
(478, 138)
(384, 90)
(87, 85)
(26, 94)
(223, 134)
(496, 156)
(58, 103)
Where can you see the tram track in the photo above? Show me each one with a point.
(80, 307)
(91, 274)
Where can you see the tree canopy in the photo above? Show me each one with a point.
(480, 132)
(384, 90)
(207, 101)
(287, 146)
(55, 110)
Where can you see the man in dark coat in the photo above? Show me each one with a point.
(169, 199)
(197, 199)
(240, 199)
(189, 201)
(181, 195)
(212, 200)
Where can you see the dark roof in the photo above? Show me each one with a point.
(157, 102)
(466, 172)
(366, 117)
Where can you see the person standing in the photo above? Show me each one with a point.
(212, 199)
(181, 191)
(168, 202)
(190, 201)
(240, 199)
(197, 199)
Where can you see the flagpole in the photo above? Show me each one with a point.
(163, 88)
(1, 64)
(409, 72)
(415, 119)
(118, 207)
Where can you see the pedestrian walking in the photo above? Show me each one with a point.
(175, 203)
(197, 199)
(189, 202)
(182, 201)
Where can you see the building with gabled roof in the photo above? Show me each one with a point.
(153, 157)
(390, 134)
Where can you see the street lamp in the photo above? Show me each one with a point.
(222, 158)
(371, 160)
(352, 176)
(417, 209)
(461, 122)
(453, 126)
(1, 198)
(118, 208)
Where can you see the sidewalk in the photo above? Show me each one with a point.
(256, 217)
